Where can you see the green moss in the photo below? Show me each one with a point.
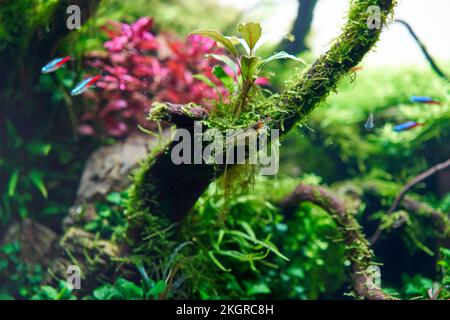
(304, 92)
(158, 111)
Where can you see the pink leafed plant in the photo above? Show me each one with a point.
(140, 68)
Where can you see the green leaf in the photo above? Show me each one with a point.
(275, 37)
(10, 248)
(157, 289)
(49, 293)
(230, 63)
(91, 226)
(105, 292)
(249, 230)
(257, 288)
(205, 80)
(245, 257)
(227, 81)
(249, 66)
(236, 40)
(251, 32)
(266, 244)
(281, 55)
(65, 291)
(39, 148)
(217, 262)
(220, 237)
(129, 289)
(36, 179)
(114, 197)
(219, 38)
(12, 184)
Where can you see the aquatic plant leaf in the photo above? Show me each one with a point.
(132, 77)
(36, 179)
(114, 197)
(12, 184)
(257, 288)
(39, 148)
(244, 257)
(220, 237)
(236, 40)
(281, 55)
(249, 66)
(218, 37)
(251, 32)
(105, 292)
(49, 292)
(129, 289)
(205, 80)
(217, 262)
(225, 59)
(275, 37)
(157, 289)
(227, 81)
(265, 244)
(249, 230)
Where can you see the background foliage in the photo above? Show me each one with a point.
(243, 246)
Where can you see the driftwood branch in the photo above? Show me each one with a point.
(322, 78)
(162, 192)
(182, 116)
(357, 247)
(437, 217)
(421, 177)
(424, 50)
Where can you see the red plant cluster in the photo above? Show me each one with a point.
(140, 68)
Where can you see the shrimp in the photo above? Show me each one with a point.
(369, 125)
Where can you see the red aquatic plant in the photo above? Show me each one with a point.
(140, 68)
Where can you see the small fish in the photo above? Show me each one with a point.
(407, 126)
(55, 64)
(369, 125)
(426, 100)
(84, 85)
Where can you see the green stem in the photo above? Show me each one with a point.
(240, 106)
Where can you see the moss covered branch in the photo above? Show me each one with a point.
(160, 184)
(307, 91)
(183, 116)
(357, 247)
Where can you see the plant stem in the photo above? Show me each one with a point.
(242, 98)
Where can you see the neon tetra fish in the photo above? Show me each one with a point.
(407, 126)
(84, 85)
(55, 64)
(426, 100)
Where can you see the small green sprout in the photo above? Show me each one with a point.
(246, 65)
